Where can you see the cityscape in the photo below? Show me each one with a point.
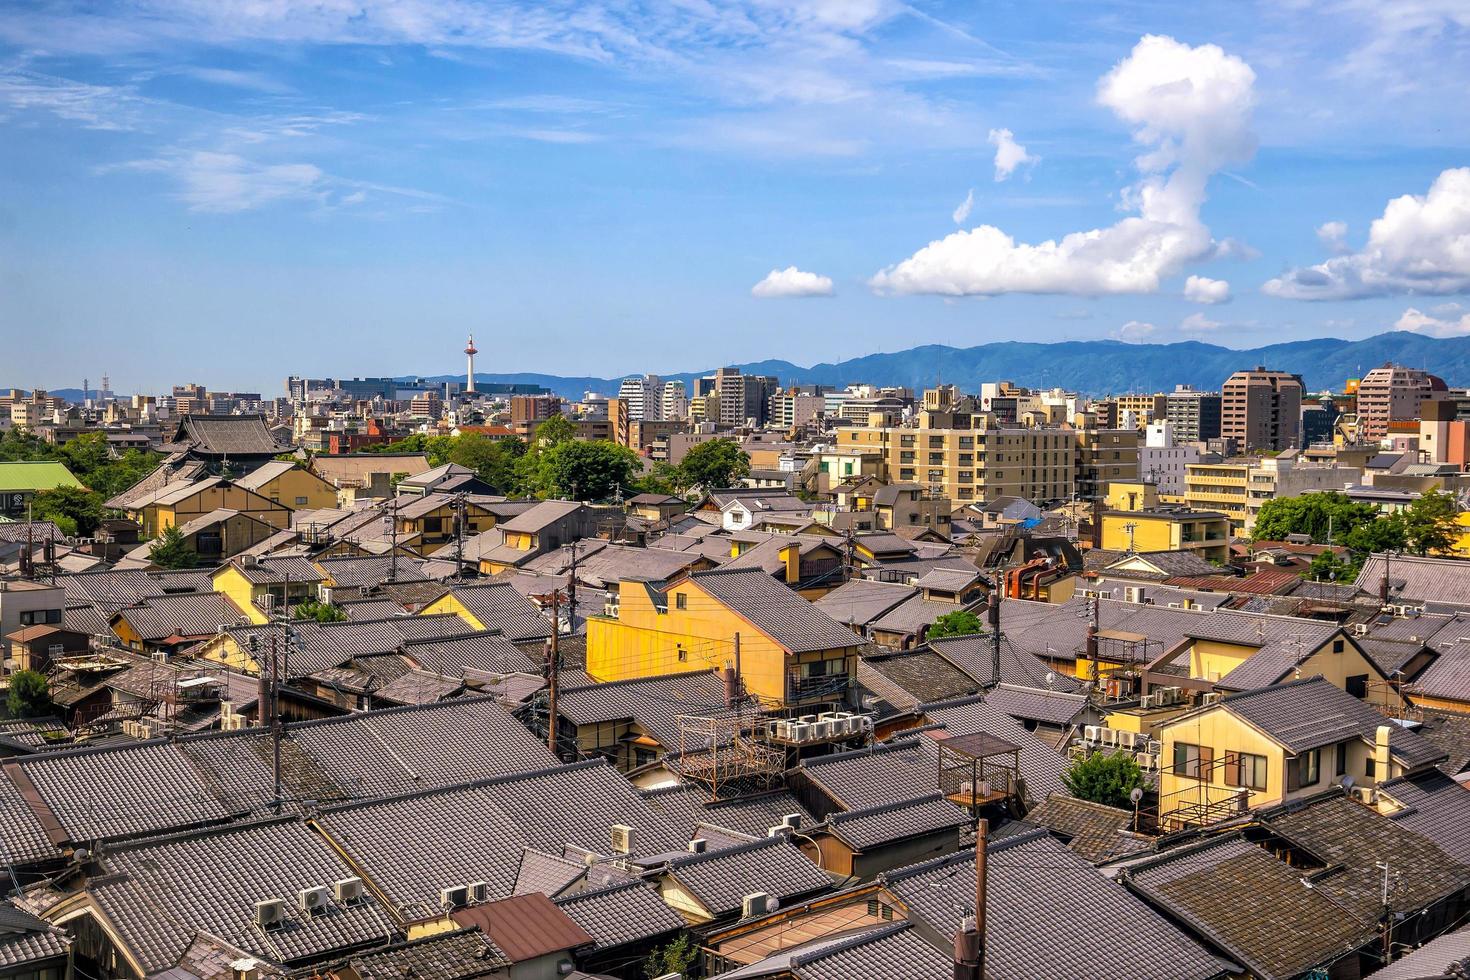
(485, 496)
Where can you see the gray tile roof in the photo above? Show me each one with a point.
(275, 569)
(1433, 960)
(720, 880)
(1250, 905)
(1312, 712)
(549, 874)
(1035, 704)
(1052, 914)
(23, 840)
(922, 674)
(477, 651)
(543, 515)
(354, 571)
(185, 614)
(26, 940)
(1448, 677)
(687, 806)
(1094, 831)
(226, 435)
(1435, 807)
(416, 844)
(622, 914)
(218, 876)
(655, 703)
(500, 607)
(913, 616)
(892, 953)
(887, 823)
(466, 954)
(1413, 579)
(1041, 764)
(860, 601)
(1017, 665)
(775, 610)
(419, 687)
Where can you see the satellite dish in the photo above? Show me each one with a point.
(1050, 677)
(1346, 782)
(1136, 795)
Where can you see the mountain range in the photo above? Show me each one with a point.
(1092, 367)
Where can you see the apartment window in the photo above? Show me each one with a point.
(681, 600)
(1304, 770)
(966, 476)
(1193, 761)
(967, 442)
(1342, 756)
(906, 456)
(683, 654)
(300, 501)
(1245, 769)
(936, 442)
(936, 459)
(35, 617)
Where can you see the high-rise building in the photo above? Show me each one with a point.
(1193, 415)
(1392, 393)
(1145, 408)
(1104, 456)
(1262, 410)
(1162, 461)
(744, 398)
(528, 410)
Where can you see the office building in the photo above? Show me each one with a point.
(1262, 409)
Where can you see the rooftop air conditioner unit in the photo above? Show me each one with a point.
(698, 845)
(1144, 760)
(807, 719)
(800, 732)
(348, 891)
(821, 729)
(479, 891)
(792, 820)
(1146, 702)
(364, 590)
(223, 629)
(270, 913)
(622, 838)
(453, 898)
(779, 830)
(1091, 733)
(312, 900)
(1360, 629)
(1210, 698)
(753, 905)
(249, 561)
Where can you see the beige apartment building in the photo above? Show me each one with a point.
(967, 457)
(1104, 456)
(1262, 410)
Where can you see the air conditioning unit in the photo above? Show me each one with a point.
(324, 594)
(698, 845)
(454, 897)
(800, 732)
(1091, 733)
(1210, 698)
(479, 891)
(753, 905)
(364, 590)
(821, 729)
(270, 913)
(1133, 593)
(783, 730)
(792, 820)
(348, 890)
(1126, 740)
(249, 561)
(1144, 760)
(1360, 629)
(1146, 702)
(622, 838)
(779, 830)
(310, 900)
(807, 719)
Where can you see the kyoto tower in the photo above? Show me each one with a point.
(470, 352)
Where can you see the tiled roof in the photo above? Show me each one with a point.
(913, 616)
(1041, 765)
(1434, 959)
(1094, 831)
(500, 607)
(1017, 666)
(489, 652)
(1312, 712)
(1448, 677)
(28, 941)
(353, 571)
(687, 806)
(525, 926)
(419, 687)
(185, 614)
(1051, 914)
(356, 469)
(274, 569)
(1413, 579)
(622, 914)
(549, 874)
(466, 954)
(775, 610)
(885, 953)
(22, 837)
(1449, 731)
(655, 703)
(922, 674)
(860, 601)
(543, 515)
(720, 880)
(948, 580)
(1258, 909)
(1036, 704)
(416, 844)
(226, 435)
(889, 822)
(265, 473)
(323, 645)
(224, 873)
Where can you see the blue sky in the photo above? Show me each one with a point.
(229, 191)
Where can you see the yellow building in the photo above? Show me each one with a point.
(290, 485)
(788, 652)
(1135, 521)
(181, 502)
(261, 586)
(1222, 487)
(967, 456)
(1275, 744)
(494, 606)
(431, 520)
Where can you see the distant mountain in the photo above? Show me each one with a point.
(1093, 367)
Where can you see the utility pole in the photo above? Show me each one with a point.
(393, 539)
(982, 874)
(1387, 914)
(847, 563)
(459, 512)
(553, 668)
(572, 586)
(994, 611)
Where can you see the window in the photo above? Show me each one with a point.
(300, 501)
(1304, 770)
(1342, 756)
(1245, 769)
(1193, 761)
(683, 654)
(1357, 685)
(681, 601)
(1339, 645)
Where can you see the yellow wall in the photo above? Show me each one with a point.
(239, 590)
(449, 603)
(297, 482)
(155, 518)
(1167, 534)
(643, 642)
(1222, 732)
(1210, 660)
(224, 650)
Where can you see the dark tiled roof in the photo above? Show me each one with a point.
(1311, 713)
(1414, 579)
(549, 874)
(914, 615)
(655, 703)
(861, 600)
(224, 873)
(1094, 831)
(354, 571)
(720, 880)
(227, 435)
(419, 687)
(886, 953)
(185, 614)
(1257, 909)
(500, 607)
(275, 569)
(1051, 914)
(687, 806)
(923, 674)
(626, 913)
(1017, 666)
(889, 822)
(1035, 704)
(775, 610)
(27, 941)
(477, 651)
(1434, 959)
(1448, 677)
(467, 954)
(1041, 765)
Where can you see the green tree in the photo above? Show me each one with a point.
(1429, 523)
(1328, 567)
(1314, 514)
(555, 431)
(677, 957)
(74, 510)
(30, 695)
(1104, 778)
(322, 612)
(714, 464)
(168, 550)
(494, 462)
(961, 622)
(583, 470)
(1384, 534)
(662, 478)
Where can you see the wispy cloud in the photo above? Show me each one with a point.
(226, 183)
(791, 282)
(90, 106)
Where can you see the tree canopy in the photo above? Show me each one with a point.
(714, 464)
(168, 550)
(30, 695)
(74, 510)
(1313, 514)
(961, 622)
(1104, 778)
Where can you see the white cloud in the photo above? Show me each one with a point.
(1333, 236)
(1191, 108)
(1198, 323)
(962, 213)
(1008, 153)
(1135, 332)
(224, 183)
(791, 281)
(1421, 245)
(1433, 326)
(1198, 289)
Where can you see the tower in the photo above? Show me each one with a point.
(470, 351)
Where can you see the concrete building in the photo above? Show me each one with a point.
(1392, 393)
(1145, 408)
(1195, 415)
(1104, 456)
(24, 604)
(1262, 409)
(1163, 461)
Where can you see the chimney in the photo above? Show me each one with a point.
(1381, 755)
(732, 685)
(791, 556)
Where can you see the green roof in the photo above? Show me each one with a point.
(44, 475)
